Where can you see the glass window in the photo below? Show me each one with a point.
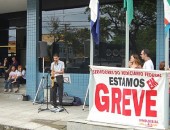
(67, 32)
(12, 42)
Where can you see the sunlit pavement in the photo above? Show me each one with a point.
(16, 114)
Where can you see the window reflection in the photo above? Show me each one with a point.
(66, 33)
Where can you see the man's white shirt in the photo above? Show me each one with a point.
(148, 65)
(57, 67)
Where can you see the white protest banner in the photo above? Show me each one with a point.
(132, 97)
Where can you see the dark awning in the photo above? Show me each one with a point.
(11, 6)
(66, 4)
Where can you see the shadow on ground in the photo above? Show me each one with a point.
(61, 125)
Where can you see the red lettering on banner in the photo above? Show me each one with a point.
(149, 103)
(152, 83)
(119, 100)
(116, 92)
(99, 100)
(138, 104)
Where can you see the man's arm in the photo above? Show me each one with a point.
(59, 72)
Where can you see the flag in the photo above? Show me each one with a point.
(167, 15)
(128, 5)
(94, 7)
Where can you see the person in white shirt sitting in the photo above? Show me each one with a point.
(11, 78)
(20, 78)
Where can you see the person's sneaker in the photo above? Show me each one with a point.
(5, 90)
(9, 90)
(53, 107)
(60, 108)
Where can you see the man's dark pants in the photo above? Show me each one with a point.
(58, 87)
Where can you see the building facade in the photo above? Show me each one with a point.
(31, 34)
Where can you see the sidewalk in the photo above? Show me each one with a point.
(23, 114)
(16, 114)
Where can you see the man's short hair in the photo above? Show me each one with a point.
(56, 55)
(147, 52)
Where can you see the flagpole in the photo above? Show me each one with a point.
(90, 88)
(166, 96)
(166, 101)
(94, 36)
(167, 50)
(127, 43)
(91, 49)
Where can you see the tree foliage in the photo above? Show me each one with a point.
(54, 29)
(69, 36)
(112, 28)
(142, 28)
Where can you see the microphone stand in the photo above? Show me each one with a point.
(40, 109)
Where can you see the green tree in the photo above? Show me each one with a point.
(76, 39)
(54, 29)
(143, 27)
(71, 37)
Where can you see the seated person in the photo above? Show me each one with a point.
(7, 69)
(21, 77)
(14, 62)
(7, 73)
(5, 64)
(11, 78)
(1, 69)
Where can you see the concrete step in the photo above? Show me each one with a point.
(12, 95)
(22, 89)
(4, 127)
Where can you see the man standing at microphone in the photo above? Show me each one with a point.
(57, 70)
